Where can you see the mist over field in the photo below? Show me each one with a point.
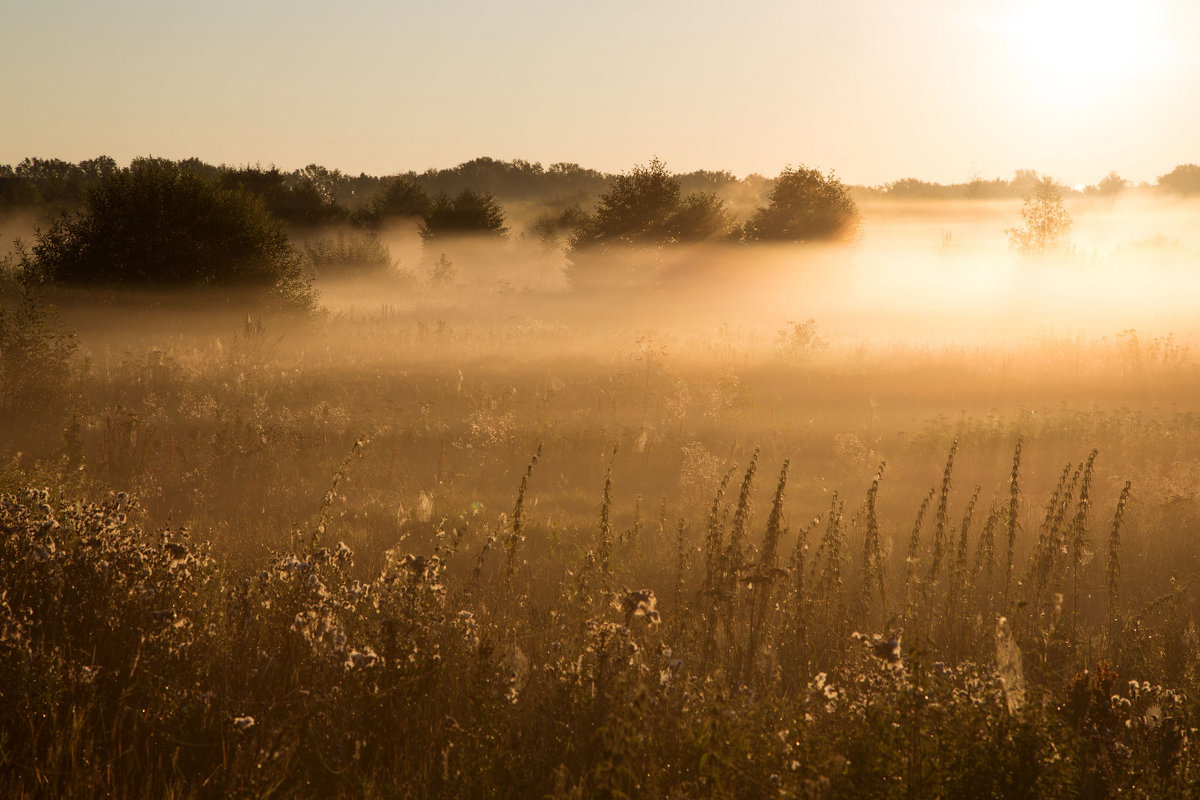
(643, 485)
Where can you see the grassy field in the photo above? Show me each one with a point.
(487, 541)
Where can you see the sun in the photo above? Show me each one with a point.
(1079, 53)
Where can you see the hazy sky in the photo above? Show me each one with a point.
(876, 89)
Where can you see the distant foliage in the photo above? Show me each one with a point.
(469, 213)
(442, 272)
(1184, 179)
(549, 227)
(51, 183)
(805, 206)
(1110, 185)
(400, 198)
(158, 226)
(348, 253)
(1022, 183)
(646, 209)
(516, 179)
(298, 201)
(1046, 224)
(801, 340)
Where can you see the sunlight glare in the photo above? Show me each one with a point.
(1076, 54)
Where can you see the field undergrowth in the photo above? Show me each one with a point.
(401, 552)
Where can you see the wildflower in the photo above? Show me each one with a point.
(177, 553)
(317, 586)
(358, 659)
(640, 604)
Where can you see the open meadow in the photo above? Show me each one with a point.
(915, 518)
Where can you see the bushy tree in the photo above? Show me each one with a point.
(1046, 225)
(1110, 185)
(296, 200)
(1184, 179)
(156, 225)
(805, 206)
(468, 213)
(643, 211)
(356, 253)
(646, 207)
(400, 198)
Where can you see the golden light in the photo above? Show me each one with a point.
(1079, 53)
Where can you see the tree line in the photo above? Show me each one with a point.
(166, 224)
(317, 195)
(185, 224)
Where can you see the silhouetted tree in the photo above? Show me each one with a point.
(642, 211)
(157, 225)
(1110, 185)
(400, 198)
(469, 213)
(301, 204)
(646, 207)
(805, 206)
(1046, 225)
(1184, 179)
(549, 227)
(699, 216)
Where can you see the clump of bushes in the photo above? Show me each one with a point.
(348, 253)
(469, 213)
(159, 226)
(805, 206)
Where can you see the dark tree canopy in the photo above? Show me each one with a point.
(51, 182)
(158, 225)
(1184, 179)
(646, 207)
(805, 206)
(468, 213)
(401, 197)
(296, 201)
(643, 211)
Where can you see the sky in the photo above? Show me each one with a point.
(876, 90)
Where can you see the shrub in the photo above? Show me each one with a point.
(301, 203)
(468, 213)
(348, 254)
(1046, 224)
(805, 206)
(158, 226)
(35, 349)
(646, 207)
(1184, 179)
(643, 209)
(400, 198)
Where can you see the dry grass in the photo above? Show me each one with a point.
(320, 584)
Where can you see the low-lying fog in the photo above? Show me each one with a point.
(922, 273)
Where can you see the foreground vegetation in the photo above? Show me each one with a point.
(399, 555)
